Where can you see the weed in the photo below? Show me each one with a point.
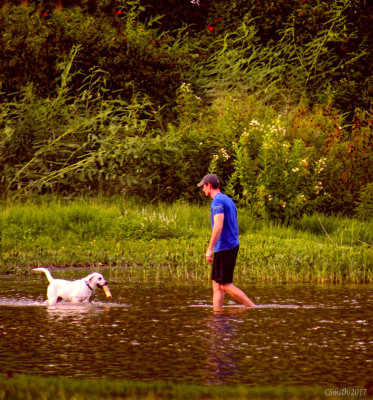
(169, 241)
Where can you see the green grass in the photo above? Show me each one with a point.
(171, 240)
(21, 387)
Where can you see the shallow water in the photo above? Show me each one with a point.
(299, 334)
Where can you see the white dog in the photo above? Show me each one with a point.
(78, 291)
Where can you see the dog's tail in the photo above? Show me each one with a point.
(49, 276)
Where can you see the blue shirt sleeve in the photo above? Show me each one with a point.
(228, 239)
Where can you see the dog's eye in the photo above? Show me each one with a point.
(99, 278)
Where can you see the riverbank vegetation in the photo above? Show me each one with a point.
(135, 100)
(144, 98)
(168, 241)
(20, 387)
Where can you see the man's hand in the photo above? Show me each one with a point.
(209, 255)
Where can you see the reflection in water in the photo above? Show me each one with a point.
(304, 334)
(221, 366)
(76, 312)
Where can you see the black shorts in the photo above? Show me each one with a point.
(223, 265)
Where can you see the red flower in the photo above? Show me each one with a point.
(347, 39)
(210, 28)
(120, 12)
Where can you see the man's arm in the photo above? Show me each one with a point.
(216, 231)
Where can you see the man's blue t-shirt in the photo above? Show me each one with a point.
(229, 236)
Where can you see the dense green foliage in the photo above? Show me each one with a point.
(144, 97)
(21, 387)
(168, 242)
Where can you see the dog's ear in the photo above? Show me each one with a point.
(93, 276)
(90, 277)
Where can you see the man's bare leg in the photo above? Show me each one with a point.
(237, 294)
(218, 296)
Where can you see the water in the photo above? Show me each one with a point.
(299, 334)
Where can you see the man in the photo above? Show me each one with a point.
(224, 243)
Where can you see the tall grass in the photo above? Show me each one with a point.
(22, 387)
(164, 241)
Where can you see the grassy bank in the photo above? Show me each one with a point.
(171, 239)
(37, 388)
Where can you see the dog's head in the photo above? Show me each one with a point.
(96, 280)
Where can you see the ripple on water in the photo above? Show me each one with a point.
(303, 334)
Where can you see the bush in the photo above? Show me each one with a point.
(275, 178)
(364, 206)
(135, 57)
(349, 166)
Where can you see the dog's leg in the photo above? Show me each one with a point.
(52, 294)
(51, 291)
(51, 302)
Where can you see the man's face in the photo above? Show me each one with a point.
(207, 189)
